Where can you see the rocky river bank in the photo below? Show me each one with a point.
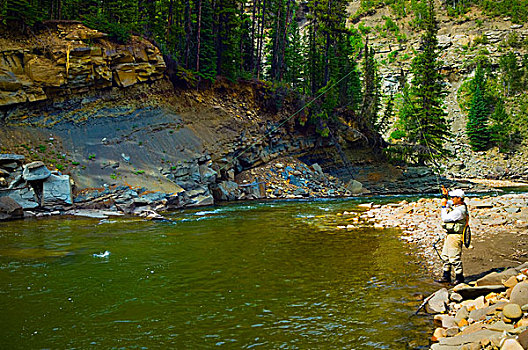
(490, 311)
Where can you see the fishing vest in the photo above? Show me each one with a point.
(456, 226)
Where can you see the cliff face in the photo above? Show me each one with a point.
(69, 58)
(462, 41)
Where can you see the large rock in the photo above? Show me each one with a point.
(355, 187)
(437, 303)
(519, 294)
(10, 209)
(226, 191)
(25, 197)
(57, 190)
(468, 292)
(35, 171)
(463, 339)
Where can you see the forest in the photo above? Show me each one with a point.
(309, 49)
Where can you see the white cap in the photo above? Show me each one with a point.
(457, 193)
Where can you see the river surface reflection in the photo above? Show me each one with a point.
(272, 275)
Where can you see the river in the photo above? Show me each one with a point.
(270, 275)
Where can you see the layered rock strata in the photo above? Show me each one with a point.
(69, 58)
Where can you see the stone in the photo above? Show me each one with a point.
(510, 282)
(523, 339)
(466, 339)
(35, 171)
(25, 197)
(468, 292)
(7, 158)
(512, 311)
(452, 331)
(519, 294)
(226, 191)
(500, 326)
(10, 209)
(438, 334)
(457, 298)
(355, 187)
(9, 81)
(125, 75)
(317, 168)
(444, 321)
(461, 314)
(44, 71)
(511, 344)
(437, 303)
(57, 190)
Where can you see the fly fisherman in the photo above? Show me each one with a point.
(454, 218)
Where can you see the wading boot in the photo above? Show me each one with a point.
(459, 278)
(446, 278)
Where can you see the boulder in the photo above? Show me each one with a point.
(10, 209)
(226, 191)
(437, 303)
(25, 197)
(57, 190)
(355, 187)
(468, 292)
(519, 294)
(35, 171)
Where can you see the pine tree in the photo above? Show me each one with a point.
(371, 94)
(501, 128)
(426, 126)
(477, 125)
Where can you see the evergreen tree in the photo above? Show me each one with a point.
(477, 124)
(371, 94)
(501, 128)
(426, 125)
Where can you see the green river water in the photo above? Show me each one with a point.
(272, 275)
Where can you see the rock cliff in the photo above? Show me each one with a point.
(69, 58)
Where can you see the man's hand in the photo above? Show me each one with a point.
(444, 202)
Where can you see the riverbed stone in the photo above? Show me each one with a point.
(523, 339)
(10, 209)
(512, 311)
(35, 171)
(465, 339)
(437, 303)
(511, 344)
(519, 294)
(461, 314)
(469, 292)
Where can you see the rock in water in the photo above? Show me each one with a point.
(437, 303)
(9, 209)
